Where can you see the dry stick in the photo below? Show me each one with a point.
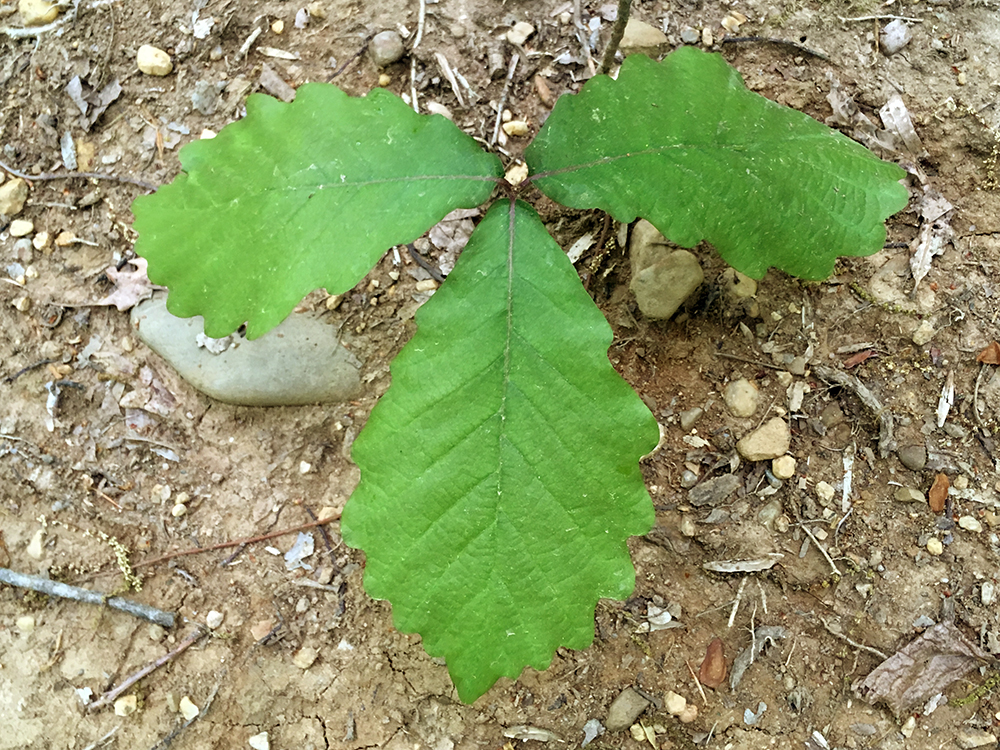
(236, 543)
(844, 638)
(55, 588)
(503, 97)
(109, 697)
(880, 18)
(864, 394)
(617, 32)
(413, 60)
(68, 175)
(820, 547)
(697, 682)
(736, 601)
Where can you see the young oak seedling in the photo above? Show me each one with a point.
(500, 475)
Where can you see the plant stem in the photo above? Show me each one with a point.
(617, 31)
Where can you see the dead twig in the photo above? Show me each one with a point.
(821, 548)
(166, 741)
(853, 643)
(236, 543)
(697, 682)
(617, 32)
(886, 441)
(69, 175)
(55, 588)
(503, 97)
(859, 19)
(109, 697)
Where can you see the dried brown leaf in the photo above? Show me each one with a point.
(938, 493)
(713, 668)
(923, 668)
(131, 286)
(990, 355)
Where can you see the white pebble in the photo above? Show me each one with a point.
(516, 128)
(35, 550)
(126, 705)
(824, 491)
(214, 619)
(934, 546)
(674, 703)
(21, 228)
(41, 240)
(153, 61)
(178, 510)
(304, 467)
(970, 524)
(187, 708)
(783, 467)
(520, 33)
(260, 741)
(304, 657)
(25, 623)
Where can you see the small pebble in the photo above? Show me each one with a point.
(304, 467)
(305, 657)
(961, 482)
(65, 239)
(385, 48)
(741, 397)
(674, 703)
(178, 510)
(126, 705)
(988, 593)
(516, 128)
(41, 240)
(426, 285)
(37, 12)
(21, 228)
(625, 709)
(22, 303)
(156, 632)
(689, 417)
(688, 479)
(187, 708)
(182, 497)
(278, 27)
(770, 440)
(783, 467)
(153, 61)
(907, 729)
(824, 491)
(520, 33)
(214, 619)
(260, 741)
(924, 333)
(13, 194)
(969, 523)
(913, 457)
(909, 495)
(261, 629)
(25, 623)
(689, 714)
(35, 546)
(934, 546)
(316, 10)
(690, 35)
(895, 35)
(384, 79)
(687, 526)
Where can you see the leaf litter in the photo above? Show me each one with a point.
(923, 668)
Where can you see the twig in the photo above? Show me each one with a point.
(69, 175)
(421, 15)
(236, 543)
(879, 18)
(98, 742)
(352, 58)
(821, 548)
(617, 32)
(780, 42)
(109, 697)
(503, 96)
(886, 442)
(697, 682)
(55, 588)
(736, 601)
(975, 398)
(844, 638)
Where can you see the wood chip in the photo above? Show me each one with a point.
(990, 355)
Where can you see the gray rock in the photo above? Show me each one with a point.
(690, 416)
(299, 362)
(624, 710)
(662, 277)
(690, 35)
(714, 491)
(386, 47)
(913, 457)
(894, 37)
(741, 397)
(688, 479)
(275, 85)
(909, 495)
(969, 737)
(770, 440)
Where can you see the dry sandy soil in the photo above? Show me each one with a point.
(97, 475)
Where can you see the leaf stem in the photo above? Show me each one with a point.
(617, 31)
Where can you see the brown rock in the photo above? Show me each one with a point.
(938, 493)
(713, 667)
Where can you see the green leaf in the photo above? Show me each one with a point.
(685, 145)
(300, 196)
(499, 473)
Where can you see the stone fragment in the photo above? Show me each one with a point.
(662, 278)
(641, 38)
(737, 285)
(895, 35)
(261, 629)
(689, 417)
(988, 593)
(41, 240)
(825, 491)
(13, 194)
(674, 703)
(299, 362)
(35, 546)
(690, 35)
(934, 546)
(214, 619)
(741, 397)
(625, 709)
(520, 33)
(25, 624)
(260, 741)
(689, 714)
(316, 10)
(924, 333)
(714, 491)
(770, 440)
(153, 61)
(37, 12)
(187, 708)
(305, 657)
(970, 523)
(913, 457)
(179, 509)
(909, 495)
(783, 467)
(275, 85)
(20, 228)
(126, 705)
(385, 48)
(516, 128)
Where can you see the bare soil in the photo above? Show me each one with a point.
(101, 473)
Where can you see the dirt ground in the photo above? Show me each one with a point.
(100, 478)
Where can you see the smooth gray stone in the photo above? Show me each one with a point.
(299, 362)
(625, 709)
